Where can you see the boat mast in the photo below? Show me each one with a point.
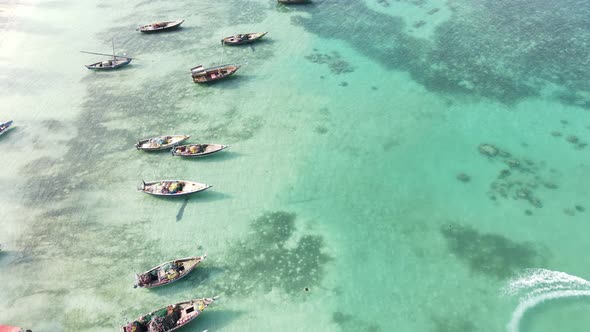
(114, 57)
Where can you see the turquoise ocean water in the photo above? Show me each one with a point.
(415, 165)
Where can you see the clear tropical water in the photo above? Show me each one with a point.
(416, 165)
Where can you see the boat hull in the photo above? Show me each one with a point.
(189, 188)
(232, 41)
(147, 30)
(175, 140)
(7, 126)
(189, 264)
(188, 311)
(209, 150)
(212, 75)
(99, 66)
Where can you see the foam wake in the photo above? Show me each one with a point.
(536, 286)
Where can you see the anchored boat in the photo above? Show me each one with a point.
(172, 187)
(160, 142)
(114, 63)
(4, 127)
(197, 150)
(168, 272)
(160, 26)
(245, 38)
(170, 318)
(201, 74)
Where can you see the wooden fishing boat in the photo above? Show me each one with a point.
(202, 75)
(196, 150)
(170, 318)
(4, 127)
(160, 142)
(8, 328)
(293, 1)
(114, 63)
(172, 187)
(168, 272)
(160, 26)
(245, 38)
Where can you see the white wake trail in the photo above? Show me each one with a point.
(539, 285)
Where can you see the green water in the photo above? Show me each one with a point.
(348, 126)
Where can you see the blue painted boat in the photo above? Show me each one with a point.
(4, 127)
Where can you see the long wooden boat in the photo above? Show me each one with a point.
(8, 328)
(208, 75)
(293, 1)
(168, 272)
(160, 26)
(115, 63)
(170, 318)
(4, 127)
(197, 150)
(172, 187)
(160, 142)
(245, 38)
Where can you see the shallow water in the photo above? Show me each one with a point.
(348, 126)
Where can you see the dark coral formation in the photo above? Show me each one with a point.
(489, 254)
(53, 125)
(263, 260)
(71, 238)
(521, 180)
(463, 177)
(333, 60)
(433, 11)
(352, 323)
(383, 3)
(573, 139)
(321, 130)
(451, 323)
(419, 24)
(505, 50)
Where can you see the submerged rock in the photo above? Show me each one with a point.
(463, 177)
(512, 163)
(504, 174)
(488, 150)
